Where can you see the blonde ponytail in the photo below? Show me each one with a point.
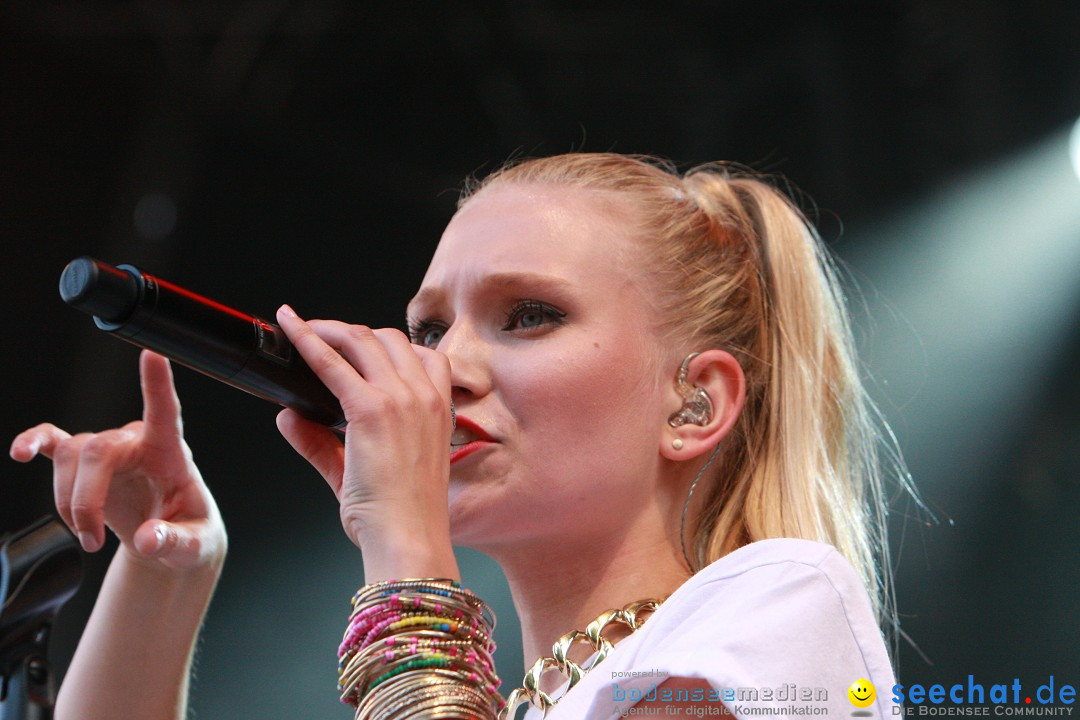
(811, 440)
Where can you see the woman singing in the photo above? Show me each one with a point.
(661, 437)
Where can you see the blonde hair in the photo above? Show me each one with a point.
(738, 267)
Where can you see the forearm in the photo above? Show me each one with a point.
(135, 654)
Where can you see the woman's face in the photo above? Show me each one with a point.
(537, 295)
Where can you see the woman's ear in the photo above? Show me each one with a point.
(697, 424)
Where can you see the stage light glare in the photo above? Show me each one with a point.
(1074, 148)
(983, 273)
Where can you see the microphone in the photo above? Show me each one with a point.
(238, 349)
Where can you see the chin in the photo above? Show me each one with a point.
(482, 526)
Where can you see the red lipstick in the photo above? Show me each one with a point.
(467, 439)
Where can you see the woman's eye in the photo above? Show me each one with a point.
(426, 334)
(531, 319)
(432, 336)
(530, 315)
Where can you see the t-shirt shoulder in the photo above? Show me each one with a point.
(773, 613)
(789, 598)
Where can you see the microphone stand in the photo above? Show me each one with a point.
(40, 569)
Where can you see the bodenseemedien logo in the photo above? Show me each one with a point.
(787, 699)
(972, 698)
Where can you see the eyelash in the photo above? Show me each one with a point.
(419, 328)
(531, 306)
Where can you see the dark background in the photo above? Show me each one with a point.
(310, 152)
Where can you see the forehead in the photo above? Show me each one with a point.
(565, 233)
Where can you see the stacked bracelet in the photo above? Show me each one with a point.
(419, 648)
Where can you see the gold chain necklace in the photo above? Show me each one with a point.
(633, 616)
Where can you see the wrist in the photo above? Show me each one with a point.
(407, 552)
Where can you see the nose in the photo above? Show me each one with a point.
(470, 361)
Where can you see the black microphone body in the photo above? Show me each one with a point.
(241, 350)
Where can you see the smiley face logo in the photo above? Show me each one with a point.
(861, 693)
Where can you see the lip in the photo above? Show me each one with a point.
(460, 452)
(466, 450)
(466, 424)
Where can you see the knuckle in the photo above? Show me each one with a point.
(67, 451)
(328, 357)
(133, 431)
(384, 404)
(411, 405)
(434, 403)
(392, 335)
(84, 513)
(96, 449)
(361, 332)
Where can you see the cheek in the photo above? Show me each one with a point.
(589, 395)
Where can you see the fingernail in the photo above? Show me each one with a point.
(88, 541)
(287, 311)
(34, 446)
(159, 537)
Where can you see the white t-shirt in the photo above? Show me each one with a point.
(786, 620)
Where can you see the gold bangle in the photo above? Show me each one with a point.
(438, 661)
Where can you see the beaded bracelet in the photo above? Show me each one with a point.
(419, 648)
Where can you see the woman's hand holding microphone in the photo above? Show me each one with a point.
(391, 476)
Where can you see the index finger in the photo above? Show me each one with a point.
(161, 406)
(335, 371)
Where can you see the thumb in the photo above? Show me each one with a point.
(178, 544)
(318, 445)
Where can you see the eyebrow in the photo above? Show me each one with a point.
(430, 296)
